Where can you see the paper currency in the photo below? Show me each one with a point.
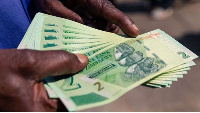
(117, 64)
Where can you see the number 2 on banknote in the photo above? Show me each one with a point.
(99, 86)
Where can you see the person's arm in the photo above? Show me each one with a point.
(22, 71)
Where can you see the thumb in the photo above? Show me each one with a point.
(56, 62)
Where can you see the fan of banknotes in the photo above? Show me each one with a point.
(117, 63)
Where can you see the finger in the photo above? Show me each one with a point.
(114, 28)
(91, 20)
(51, 104)
(86, 17)
(108, 27)
(42, 99)
(56, 8)
(53, 63)
(106, 10)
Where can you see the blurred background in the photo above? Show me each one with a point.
(181, 20)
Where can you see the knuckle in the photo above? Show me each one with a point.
(107, 3)
(24, 57)
(103, 4)
(95, 6)
(25, 62)
(29, 57)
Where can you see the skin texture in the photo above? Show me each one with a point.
(100, 14)
(21, 75)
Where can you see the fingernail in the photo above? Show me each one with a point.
(82, 58)
(135, 28)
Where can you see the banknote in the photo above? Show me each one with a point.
(114, 80)
(117, 63)
(73, 37)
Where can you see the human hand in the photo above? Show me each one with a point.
(100, 14)
(22, 71)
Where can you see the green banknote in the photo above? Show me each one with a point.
(117, 70)
(52, 26)
(116, 64)
(51, 30)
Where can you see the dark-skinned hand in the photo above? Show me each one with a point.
(21, 72)
(100, 14)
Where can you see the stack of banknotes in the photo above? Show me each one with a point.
(117, 63)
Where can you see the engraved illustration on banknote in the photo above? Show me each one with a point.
(137, 65)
